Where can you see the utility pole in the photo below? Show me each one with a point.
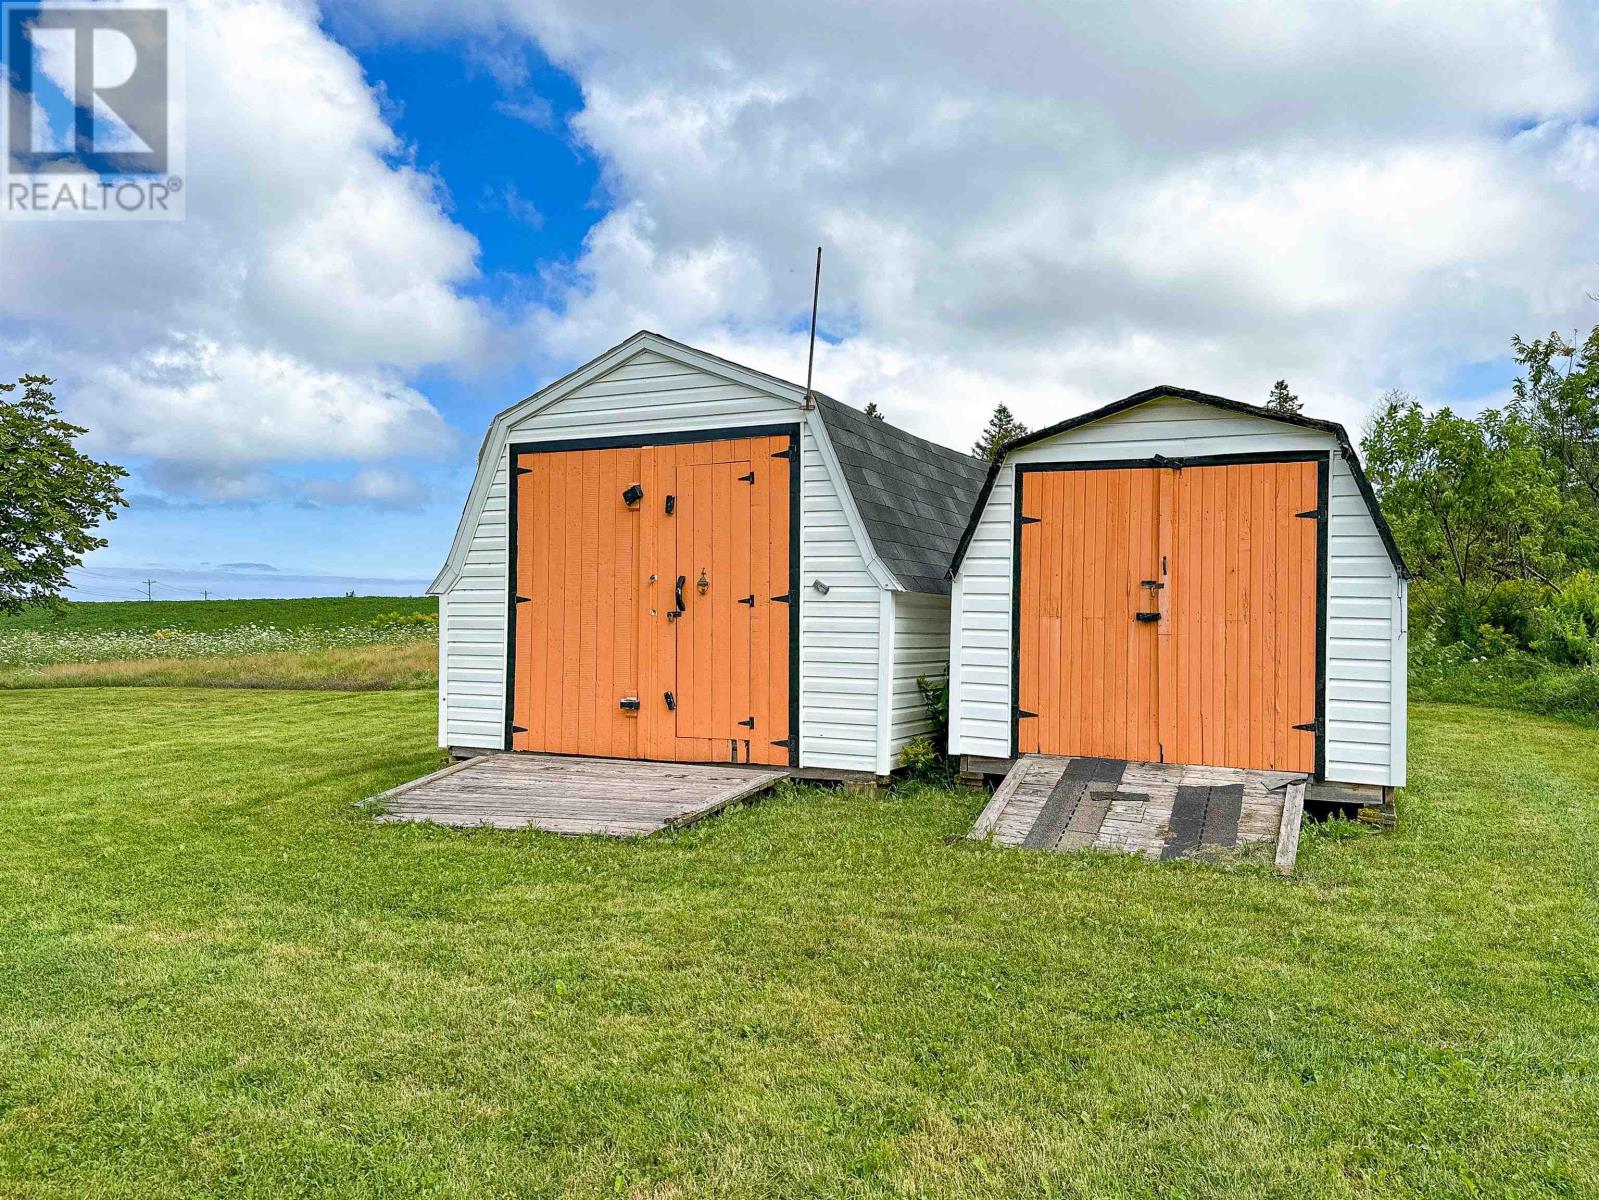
(147, 585)
(204, 595)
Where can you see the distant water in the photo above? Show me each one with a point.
(251, 582)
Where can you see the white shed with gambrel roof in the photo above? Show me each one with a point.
(668, 555)
(1180, 577)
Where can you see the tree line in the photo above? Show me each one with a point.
(1498, 513)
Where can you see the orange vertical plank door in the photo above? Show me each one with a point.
(742, 614)
(1029, 623)
(784, 475)
(765, 612)
(529, 667)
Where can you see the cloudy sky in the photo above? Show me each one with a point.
(402, 217)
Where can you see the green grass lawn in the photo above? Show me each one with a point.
(219, 978)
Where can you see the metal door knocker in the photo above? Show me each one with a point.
(704, 584)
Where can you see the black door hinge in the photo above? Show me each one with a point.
(1310, 727)
(749, 479)
(749, 724)
(750, 600)
(783, 599)
(524, 599)
(1028, 520)
(518, 728)
(792, 453)
(671, 702)
(1312, 514)
(1022, 712)
(784, 744)
(524, 470)
(629, 704)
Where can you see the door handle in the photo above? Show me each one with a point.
(681, 580)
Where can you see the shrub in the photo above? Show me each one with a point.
(935, 699)
(1565, 629)
(919, 758)
(1494, 642)
(1510, 607)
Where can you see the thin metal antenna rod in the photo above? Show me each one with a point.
(816, 293)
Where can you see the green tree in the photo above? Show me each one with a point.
(1470, 501)
(1002, 427)
(52, 496)
(1558, 393)
(1282, 400)
(873, 411)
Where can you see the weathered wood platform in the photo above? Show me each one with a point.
(618, 797)
(1160, 810)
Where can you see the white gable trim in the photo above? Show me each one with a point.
(494, 441)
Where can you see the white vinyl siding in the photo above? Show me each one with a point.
(1366, 635)
(650, 393)
(921, 648)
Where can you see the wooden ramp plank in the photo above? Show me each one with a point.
(1158, 810)
(616, 797)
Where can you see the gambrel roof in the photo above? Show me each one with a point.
(1340, 435)
(907, 498)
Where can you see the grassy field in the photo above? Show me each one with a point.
(359, 643)
(210, 616)
(222, 979)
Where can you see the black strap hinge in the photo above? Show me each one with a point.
(792, 453)
(749, 479)
(518, 728)
(1312, 514)
(750, 600)
(524, 470)
(524, 599)
(749, 724)
(783, 599)
(1310, 727)
(1029, 520)
(1022, 712)
(784, 744)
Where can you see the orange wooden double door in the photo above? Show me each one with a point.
(654, 607)
(1170, 613)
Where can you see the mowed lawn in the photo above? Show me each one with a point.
(217, 977)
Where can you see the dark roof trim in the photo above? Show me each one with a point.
(1346, 448)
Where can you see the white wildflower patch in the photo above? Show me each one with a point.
(25, 649)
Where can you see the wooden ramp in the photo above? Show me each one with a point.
(1159, 810)
(618, 797)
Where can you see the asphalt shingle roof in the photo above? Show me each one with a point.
(914, 496)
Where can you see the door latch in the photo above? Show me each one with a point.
(633, 495)
(1145, 618)
(671, 702)
(629, 704)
